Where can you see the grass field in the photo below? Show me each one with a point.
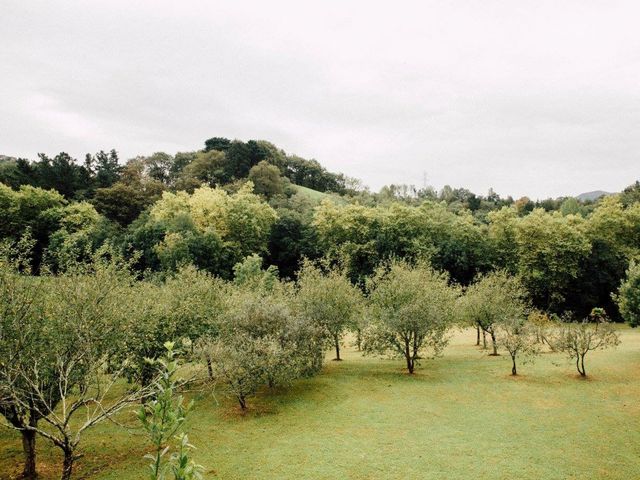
(460, 417)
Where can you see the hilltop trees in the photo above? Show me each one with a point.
(266, 179)
(213, 207)
(411, 309)
(210, 228)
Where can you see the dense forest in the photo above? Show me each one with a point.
(214, 207)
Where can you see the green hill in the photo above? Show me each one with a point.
(311, 193)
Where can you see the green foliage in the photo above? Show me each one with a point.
(262, 342)
(518, 337)
(411, 309)
(551, 249)
(329, 301)
(497, 303)
(105, 166)
(206, 168)
(292, 236)
(628, 295)
(186, 307)
(22, 209)
(122, 202)
(78, 230)
(249, 274)
(24, 340)
(266, 180)
(73, 322)
(210, 229)
(163, 418)
(361, 237)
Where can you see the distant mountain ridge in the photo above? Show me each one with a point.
(591, 196)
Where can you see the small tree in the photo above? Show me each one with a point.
(411, 309)
(240, 363)
(517, 336)
(188, 305)
(262, 342)
(542, 326)
(580, 337)
(493, 299)
(23, 341)
(329, 300)
(80, 324)
(628, 297)
(162, 418)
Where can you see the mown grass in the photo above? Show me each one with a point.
(311, 193)
(460, 417)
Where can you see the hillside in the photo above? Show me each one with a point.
(591, 196)
(311, 193)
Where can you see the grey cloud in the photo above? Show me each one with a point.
(530, 97)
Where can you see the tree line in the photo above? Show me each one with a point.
(213, 207)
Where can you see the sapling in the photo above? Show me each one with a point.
(163, 418)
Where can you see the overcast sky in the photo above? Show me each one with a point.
(528, 97)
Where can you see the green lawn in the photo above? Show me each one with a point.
(460, 417)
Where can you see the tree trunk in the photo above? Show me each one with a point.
(582, 371)
(209, 366)
(410, 364)
(29, 448)
(477, 335)
(493, 343)
(336, 339)
(408, 356)
(513, 368)
(67, 464)
(484, 340)
(242, 401)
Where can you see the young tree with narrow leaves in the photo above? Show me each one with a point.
(163, 418)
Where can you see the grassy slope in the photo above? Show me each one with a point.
(460, 417)
(311, 193)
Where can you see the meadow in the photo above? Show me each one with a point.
(460, 416)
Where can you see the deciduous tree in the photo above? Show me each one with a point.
(411, 309)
